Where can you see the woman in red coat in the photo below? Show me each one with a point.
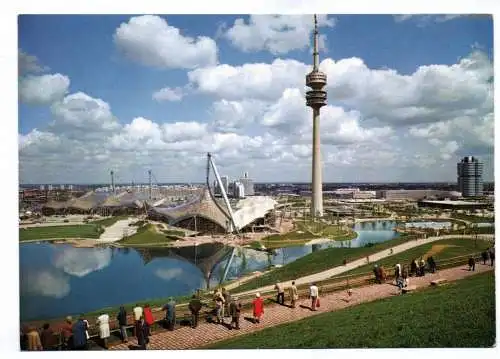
(148, 318)
(258, 308)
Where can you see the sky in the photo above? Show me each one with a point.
(408, 96)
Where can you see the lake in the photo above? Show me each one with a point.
(57, 280)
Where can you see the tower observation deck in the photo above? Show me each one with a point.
(316, 98)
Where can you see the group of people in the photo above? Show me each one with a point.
(294, 295)
(489, 254)
(74, 336)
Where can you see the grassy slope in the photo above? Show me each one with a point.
(76, 231)
(460, 314)
(459, 247)
(146, 235)
(474, 219)
(316, 262)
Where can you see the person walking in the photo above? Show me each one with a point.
(148, 318)
(472, 264)
(104, 333)
(294, 294)
(280, 299)
(141, 333)
(376, 273)
(80, 334)
(138, 311)
(169, 308)
(67, 332)
(227, 299)
(49, 340)
(34, 342)
(234, 312)
(484, 256)
(122, 322)
(313, 294)
(194, 308)
(492, 255)
(219, 304)
(397, 271)
(413, 268)
(422, 267)
(258, 308)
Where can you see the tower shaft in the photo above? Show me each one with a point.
(317, 181)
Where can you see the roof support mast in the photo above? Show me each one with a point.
(223, 191)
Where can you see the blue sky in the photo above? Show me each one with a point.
(86, 51)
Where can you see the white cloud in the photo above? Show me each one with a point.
(47, 283)
(168, 94)
(424, 20)
(151, 41)
(44, 89)
(259, 80)
(80, 262)
(79, 114)
(258, 121)
(277, 34)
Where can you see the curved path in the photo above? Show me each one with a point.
(117, 230)
(188, 338)
(363, 261)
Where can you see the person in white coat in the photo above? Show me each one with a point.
(104, 334)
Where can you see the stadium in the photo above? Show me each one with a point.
(195, 208)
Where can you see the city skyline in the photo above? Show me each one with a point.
(408, 97)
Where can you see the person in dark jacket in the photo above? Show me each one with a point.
(492, 256)
(80, 334)
(413, 267)
(376, 273)
(472, 264)
(194, 308)
(485, 256)
(122, 322)
(234, 312)
(142, 332)
(49, 340)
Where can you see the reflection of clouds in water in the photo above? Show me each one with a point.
(81, 261)
(47, 283)
(168, 274)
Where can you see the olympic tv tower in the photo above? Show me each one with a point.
(316, 98)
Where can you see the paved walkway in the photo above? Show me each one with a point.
(206, 333)
(116, 231)
(362, 261)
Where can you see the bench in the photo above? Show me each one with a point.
(439, 281)
(410, 288)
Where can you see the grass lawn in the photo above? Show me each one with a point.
(109, 221)
(452, 248)
(317, 262)
(76, 231)
(460, 314)
(146, 235)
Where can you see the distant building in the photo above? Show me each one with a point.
(42, 187)
(238, 190)
(61, 186)
(50, 187)
(70, 187)
(414, 194)
(225, 183)
(247, 184)
(470, 177)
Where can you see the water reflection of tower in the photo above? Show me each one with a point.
(316, 98)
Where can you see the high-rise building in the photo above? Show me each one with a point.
(470, 177)
(247, 184)
(238, 190)
(316, 98)
(225, 183)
